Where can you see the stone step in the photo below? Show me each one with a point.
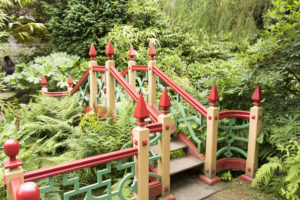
(184, 163)
(174, 146)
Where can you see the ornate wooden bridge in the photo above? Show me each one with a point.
(230, 141)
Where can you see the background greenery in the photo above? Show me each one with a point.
(235, 44)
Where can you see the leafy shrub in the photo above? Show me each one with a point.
(56, 67)
(74, 24)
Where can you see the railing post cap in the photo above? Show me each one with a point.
(141, 112)
(11, 148)
(28, 191)
(43, 81)
(213, 95)
(152, 51)
(257, 95)
(70, 80)
(92, 52)
(131, 53)
(109, 50)
(164, 101)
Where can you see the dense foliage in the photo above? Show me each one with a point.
(56, 67)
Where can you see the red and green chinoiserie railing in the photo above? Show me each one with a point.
(133, 161)
(226, 131)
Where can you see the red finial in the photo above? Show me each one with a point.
(92, 52)
(28, 191)
(152, 51)
(109, 50)
(11, 149)
(213, 96)
(141, 111)
(131, 53)
(257, 95)
(43, 81)
(164, 102)
(70, 80)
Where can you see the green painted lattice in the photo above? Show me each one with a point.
(87, 190)
(141, 82)
(101, 85)
(84, 98)
(231, 137)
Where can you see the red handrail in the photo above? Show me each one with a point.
(99, 68)
(234, 114)
(132, 92)
(56, 94)
(155, 127)
(186, 96)
(78, 164)
(124, 72)
(140, 67)
(81, 81)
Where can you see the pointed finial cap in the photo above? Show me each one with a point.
(131, 53)
(70, 80)
(141, 112)
(43, 81)
(257, 95)
(213, 96)
(164, 102)
(109, 50)
(152, 51)
(92, 52)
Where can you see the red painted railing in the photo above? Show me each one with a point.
(140, 67)
(81, 81)
(56, 94)
(234, 114)
(155, 127)
(78, 164)
(99, 68)
(185, 95)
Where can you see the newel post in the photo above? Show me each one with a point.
(16, 189)
(110, 87)
(164, 143)
(211, 138)
(70, 84)
(44, 84)
(151, 76)
(131, 62)
(92, 76)
(254, 129)
(141, 141)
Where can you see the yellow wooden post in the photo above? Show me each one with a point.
(151, 77)
(44, 84)
(164, 143)
(254, 129)
(211, 139)
(13, 167)
(92, 76)
(110, 87)
(131, 62)
(141, 140)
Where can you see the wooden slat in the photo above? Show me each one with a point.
(184, 163)
(175, 145)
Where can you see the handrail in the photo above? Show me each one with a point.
(99, 68)
(81, 81)
(185, 95)
(78, 164)
(124, 72)
(155, 127)
(132, 92)
(234, 114)
(56, 94)
(140, 67)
